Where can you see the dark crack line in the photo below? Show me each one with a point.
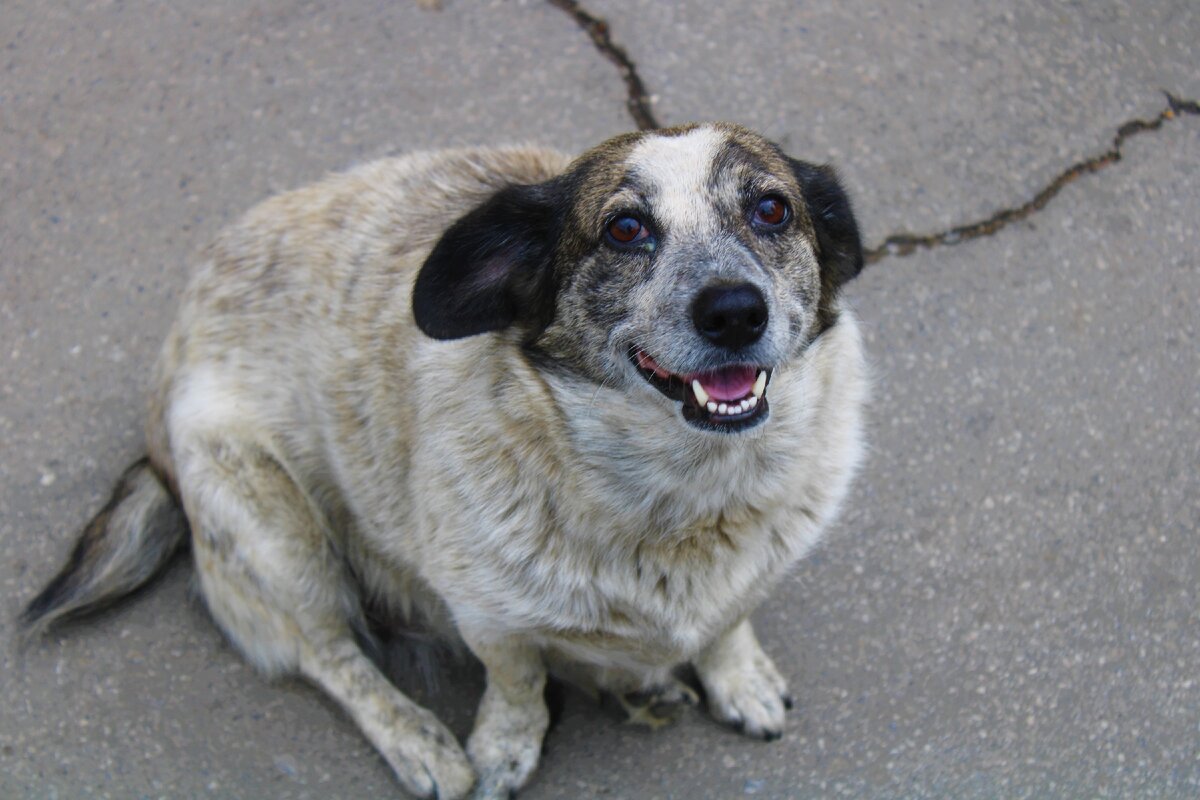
(903, 244)
(597, 28)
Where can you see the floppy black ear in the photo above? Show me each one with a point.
(841, 254)
(492, 268)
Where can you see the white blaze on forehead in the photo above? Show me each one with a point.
(674, 172)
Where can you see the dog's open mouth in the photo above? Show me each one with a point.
(728, 399)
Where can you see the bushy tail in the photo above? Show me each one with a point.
(125, 545)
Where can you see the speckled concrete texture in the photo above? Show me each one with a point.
(935, 112)
(1007, 608)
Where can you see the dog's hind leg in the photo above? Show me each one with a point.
(271, 576)
(657, 706)
(648, 697)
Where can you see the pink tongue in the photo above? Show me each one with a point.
(728, 383)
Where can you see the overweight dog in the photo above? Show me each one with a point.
(580, 415)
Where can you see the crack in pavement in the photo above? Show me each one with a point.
(597, 28)
(902, 243)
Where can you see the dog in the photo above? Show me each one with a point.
(580, 415)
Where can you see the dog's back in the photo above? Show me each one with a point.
(305, 281)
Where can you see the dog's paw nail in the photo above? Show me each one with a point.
(490, 789)
(772, 736)
(789, 702)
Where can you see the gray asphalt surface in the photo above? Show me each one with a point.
(1008, 607)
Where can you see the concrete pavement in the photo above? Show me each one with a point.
(1009, 605)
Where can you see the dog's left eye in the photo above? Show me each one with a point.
(771, 212)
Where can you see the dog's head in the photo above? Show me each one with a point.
(687, 263)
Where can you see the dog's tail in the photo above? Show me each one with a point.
(125, 545)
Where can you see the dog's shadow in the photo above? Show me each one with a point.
(449, 680)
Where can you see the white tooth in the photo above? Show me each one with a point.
(744, 405)
(701, 395)
(760, 385)
(753, 401)
(722, 409)
(712, 406)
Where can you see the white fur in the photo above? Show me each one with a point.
(678, 168)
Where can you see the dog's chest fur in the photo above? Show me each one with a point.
(536, 506)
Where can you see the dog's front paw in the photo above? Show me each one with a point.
(431, 764)
(505, 755)
(506, 744)
(512, 718)
(751, 700)
(745, 690)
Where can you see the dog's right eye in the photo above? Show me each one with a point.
(626, 230)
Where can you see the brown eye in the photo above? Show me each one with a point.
(771, 212)
(627, 230)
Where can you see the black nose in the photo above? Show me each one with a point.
(730, 316)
